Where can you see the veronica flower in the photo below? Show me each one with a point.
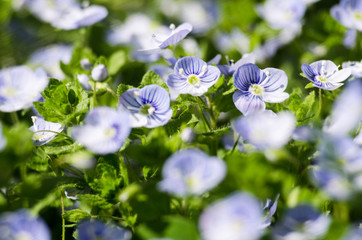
(49, 58)
(348, 13)
(20, 87)
(266, 130)
(93, 230)
(104, 131)
(232, 67)
(325, 74)
(270, 208)
(344, 119)
(148, 107)
(282, 13)
(235, 40)
(44, 131)
(193, 76)
(239, 216)
(358, 139)
(257, 86)
(22, 225)
(174, 35)
(356, 68)
(191, 172)
(3, 140)
(302, 222)
(354, 234)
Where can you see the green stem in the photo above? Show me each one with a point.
(112, 92)
(63, 220)
(235, 144)
(95, 94)
(14, 117)
(211, 112)
(206, 123)
(320, 102)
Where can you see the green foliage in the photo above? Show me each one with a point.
(75, 215)
(122, 88)
(64, 103)
(116, 61)
(152, 78)
(303, 108)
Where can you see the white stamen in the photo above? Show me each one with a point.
(172, 26)
(181, 71)
(203, 71)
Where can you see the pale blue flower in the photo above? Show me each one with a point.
(300, 223)
(236, 40)
(354, 234)
(347, 111)
(163, 40)
(22, 225)
(20, 87)
(358, 139)
(238, 216)
(83, 80)
(44, 131)
(282, 13)
(356, 68)
(348, 13)
(86, 64)
(49, 59)
(93, 230)
(232, 67)
(104, 131)
(191, 172)
(325, 74)
(192, 76)
(99, 73)
(256, 86)
(270, 208)
(349, 40)
(266, 130)
(3, 140)
(148, 107)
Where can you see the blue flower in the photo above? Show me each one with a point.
(257, 86)
(191, 172)
(20, 87)
(282, 13)
(356, 68)
(232, 67)
(270, 208)
(266, 130)
(302, 222)
(49, 58)
(239, 216)
(104, 131)
(44, 131)
(325, 74)
(193, 76)
(148, 107)
(348, 13)
(3, 140)
(93, 230)
(22, 225)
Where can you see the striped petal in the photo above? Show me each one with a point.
(177, 35)
(211, 76)
(308, 72)
(190, 65)
(277, 80)
(247, 75)
(247, 103)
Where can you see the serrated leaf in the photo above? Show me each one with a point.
(39, 160)
(94, 200)
(75, 215)
(152, 78)
(62, 149)
(106, 181)
(122, 88)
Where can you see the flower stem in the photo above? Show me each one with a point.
(320, 103)
(14, 117)
(63, 220)
(95, 94)
(235, 144)
(206, 123)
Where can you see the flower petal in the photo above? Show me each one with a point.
(156, 96)
(326, 65)
(277, 80)
(274, 97)
(128, 101)
(327, 85)
(308, 72)
(246, 75)
(211, 76)
(247, 103)
(190, 65)
(177, 35)
(340, 76)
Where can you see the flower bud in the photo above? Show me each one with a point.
(85, 63)
(99, 73)
(188, 135)
(83, 80)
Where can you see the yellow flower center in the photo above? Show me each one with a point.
(10, 92)
(193, 79)
(147, 109)
(256, 89)
(357, 15)
(322, 79)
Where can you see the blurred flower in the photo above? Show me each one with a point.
(85, 63)
(188, 135)
(192, 76)
(148, 107)
(282, 13)
(22, 225)
(3, 140)
(66, 14)
(266, 130)
(347, 110)
(257, 86)
(348, 13)
(325, 74)
(305, 134)
(354, 234)
(270, 208)
(300, 223)
(191, 172)
(229, 140)
(99, 73)
(20, 87)
(104, 131)
(358, 138)
(163, 40)
(44, 131)
(349, 40)
(356, 68)
(238, 216)
(202, 15)
(93, 230)
(236, 40)
(232, 67)
(49, 58)
(83, 80)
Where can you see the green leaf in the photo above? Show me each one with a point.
(94, 200)
(106, 181)
(116, 61)
(180, 228)
(75, 215)
(122, 88)
(39, 160)
(62, 149)
(309, 85)
(152, 78)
